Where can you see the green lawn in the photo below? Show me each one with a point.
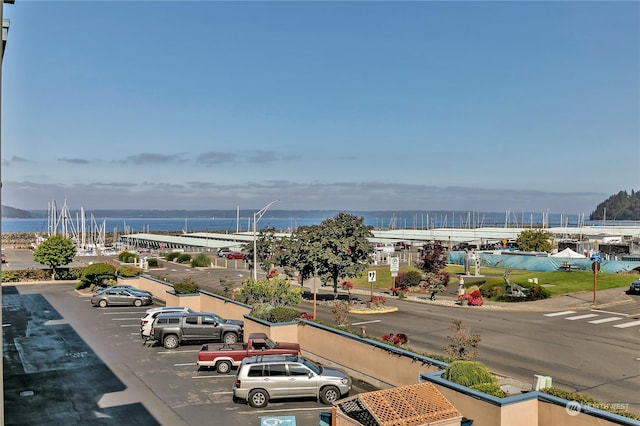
(557, 282)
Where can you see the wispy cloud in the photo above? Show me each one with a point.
(14, 159)
(74, 160)
(154, 158)
(212, 158)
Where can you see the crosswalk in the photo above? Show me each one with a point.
(598, 317)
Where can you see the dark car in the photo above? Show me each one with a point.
(634, 287)
(120, 297)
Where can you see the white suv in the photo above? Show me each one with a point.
(264, 377)
(147, 320)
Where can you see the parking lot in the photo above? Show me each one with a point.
(72, 363)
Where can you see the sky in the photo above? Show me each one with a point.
(362, 105)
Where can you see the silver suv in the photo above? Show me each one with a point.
(261, 378)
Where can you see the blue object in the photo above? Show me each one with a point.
(596, 257)
(278, 421)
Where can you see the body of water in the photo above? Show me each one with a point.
(378, 220)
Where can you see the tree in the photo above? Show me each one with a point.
(432, 262)
(535, 240)
(54, 252)
(342, 249)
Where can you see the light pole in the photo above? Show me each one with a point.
(256, 217)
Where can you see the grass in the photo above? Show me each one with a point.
(557, 282)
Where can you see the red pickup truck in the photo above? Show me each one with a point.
(225, 356)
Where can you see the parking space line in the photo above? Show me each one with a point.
(182, 365)
(130, 325)
(179, 352)
(125, 319)
(365, 322)
(215, 377)
(285, 410)
(123, 313)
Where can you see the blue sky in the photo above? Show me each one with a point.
(484, 106)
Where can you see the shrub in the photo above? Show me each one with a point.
(201, 260)
(98, 274)
(154, 262)
(283, 314)
(127, 257)
(187, 286)
(183, 258)
(171, 256)
(590, 402)
(9, 276)
(490, 389)
(68, 273)
(468, 373)
(129, 271)
(537, 292)
(262, 311)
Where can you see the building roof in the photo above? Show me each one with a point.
(412, 405)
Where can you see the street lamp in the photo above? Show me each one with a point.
(256, 217)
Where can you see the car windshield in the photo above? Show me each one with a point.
(312, 366)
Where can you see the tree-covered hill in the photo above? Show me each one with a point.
(622, 206)
(13, 213)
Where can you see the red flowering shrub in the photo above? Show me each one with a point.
(305, 315)
(272, 273)
(396, 339)
(378, 300)
(347, 285)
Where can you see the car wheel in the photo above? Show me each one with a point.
(230, 338)
(103, 303)
(171, 341)
(137, 303)
(223, 367)
(329, 395)
(258, 398)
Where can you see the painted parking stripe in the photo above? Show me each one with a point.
(557, 314)
(130, 325)
(603, 320)
(179, 352)
(627, 324)
(125, 319)
(581, 317)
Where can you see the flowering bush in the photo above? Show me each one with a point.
(377, 301)
(396, 339)
(472, 299)
(305, 315)
(272, 273)
(347, 285)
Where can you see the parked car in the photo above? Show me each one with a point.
(172, 329)
(126, 287)
(120, 297)
(263, 378)
(223, 252)
(147, 320)
(235, 255)
(634, 287)
(223, 356)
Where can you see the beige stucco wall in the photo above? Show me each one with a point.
(380, 367)
(553, 414)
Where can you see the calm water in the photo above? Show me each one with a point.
(379, 220)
